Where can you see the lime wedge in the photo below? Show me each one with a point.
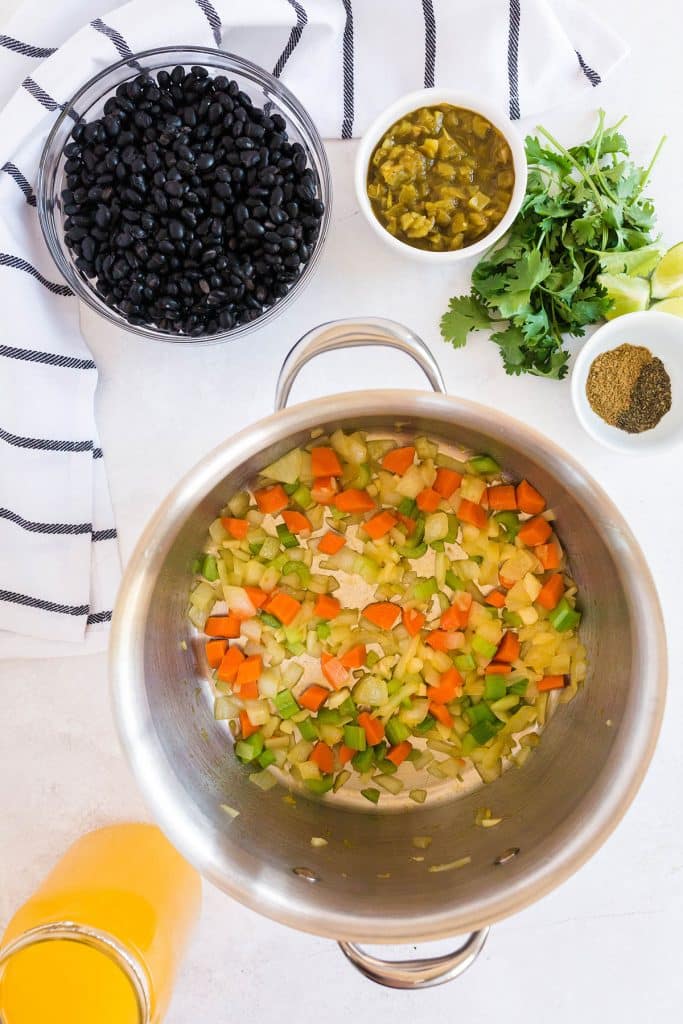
(674, 306)
(628, 294)
(667, 280)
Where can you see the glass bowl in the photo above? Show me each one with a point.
(88, 103)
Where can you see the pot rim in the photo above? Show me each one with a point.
(601, 809)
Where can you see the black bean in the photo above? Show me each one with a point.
(189, 207)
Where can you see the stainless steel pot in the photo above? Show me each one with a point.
(557, 809)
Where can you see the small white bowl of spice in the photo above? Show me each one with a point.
(627, 383)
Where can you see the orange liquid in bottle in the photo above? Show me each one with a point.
(126, 881)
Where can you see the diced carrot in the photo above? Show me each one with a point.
(331, 543)
(535, 531)
(257, 596)
(508, 648)
(399, 460)
(313, 697)
(227, 670)
(470, 512)
(373, 728)
(442, 641)
(249, 670)
(550, 683)
(333, 670)
(296, 522)
(382, 614)
(283, 607)
(327, 607)
(354, 500)
(502, 498)
(215, 649)
(495, 599)
(237, 528)
(505, 583)
(497, 668)
(551, 592)
(399, 753)
(549, 555)
(345, 754)
(246, 727)
(223, 626)
(247, 691)
(272, 499)
(409, 523)
(448, 687)
(528, 499)
(355, 657)
(441, 713)
(380, 525)
(413, 620)
(428, 500)
(447, 481)
(324, 489)
(458, 615)
(325, 462)
(322, 756)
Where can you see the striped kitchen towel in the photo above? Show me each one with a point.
(345, 60)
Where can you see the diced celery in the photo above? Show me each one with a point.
(371, 794)
(483, 647)
(483, 464)
(418, 795)
(286, 704)
(494, 687)
(354, 737)
(564, 617)
(396, 731)
(464, 663)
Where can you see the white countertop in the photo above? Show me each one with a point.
(607, 943)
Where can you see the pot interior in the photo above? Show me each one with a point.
(367, 882)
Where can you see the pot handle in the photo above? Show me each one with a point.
(353, 333)
(417, 974)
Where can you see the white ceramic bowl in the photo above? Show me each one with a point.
(662, 333)
(430, 98)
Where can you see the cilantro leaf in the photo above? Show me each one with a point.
(464, 314)
(583, 213)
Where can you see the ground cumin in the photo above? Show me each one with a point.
(629, 388)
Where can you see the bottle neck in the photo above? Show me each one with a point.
(94, 938)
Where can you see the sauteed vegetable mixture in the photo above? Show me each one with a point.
(375, 609)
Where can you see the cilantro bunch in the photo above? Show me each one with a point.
(582, 206)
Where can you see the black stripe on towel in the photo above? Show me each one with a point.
(97, 453)
(45, 99)
(592, 76)
(348, 68)
(39, 94)
(513, 58)
(49, 358)
(45, 606)
(69, 529)
(122, 47)
(7, 260)
(23, 182)
(43, 445)
(213, 19)
(110, 534)
(26, 49)
(294, 37)
(430, 42)
(97, 617)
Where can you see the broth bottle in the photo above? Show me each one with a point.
(101, 939)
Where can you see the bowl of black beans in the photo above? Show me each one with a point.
(184, 195)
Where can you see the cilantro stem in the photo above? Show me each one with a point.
(648, 169)
(565, 152)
